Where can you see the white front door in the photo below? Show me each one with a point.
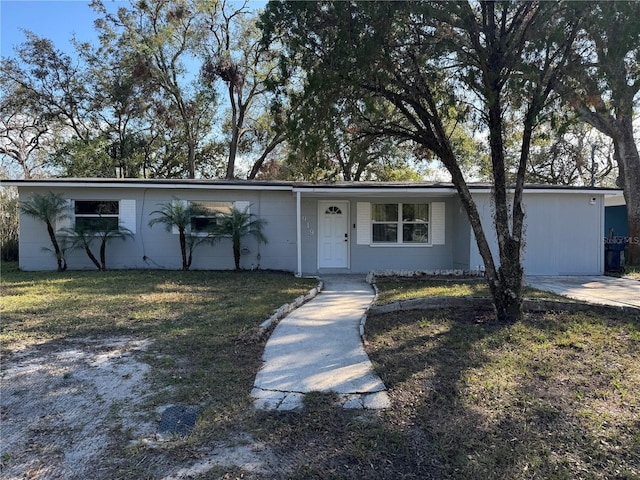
(333, 234)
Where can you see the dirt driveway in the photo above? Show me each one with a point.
(620, 292)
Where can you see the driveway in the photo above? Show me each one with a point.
(620, 292)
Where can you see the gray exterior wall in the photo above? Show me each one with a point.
(156, 248)
(309, 230)
(34, 238)
(462, 238)
(563, 233)
(364, 258)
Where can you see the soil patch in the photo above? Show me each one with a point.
(61, 402)
(71, 409)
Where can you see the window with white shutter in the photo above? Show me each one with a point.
(400, 223)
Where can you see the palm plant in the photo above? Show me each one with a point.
(238, 224)
(83, 238)
(177, 214)
(49, 208)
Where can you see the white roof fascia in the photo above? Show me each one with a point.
(614, 200)
(166, 186)
(583, 191)
(319, 190)
(375, 191)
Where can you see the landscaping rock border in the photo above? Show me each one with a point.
(482, 304)
(372, 275)
(479, 303)
(270, 323)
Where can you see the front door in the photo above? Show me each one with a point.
(333, 234)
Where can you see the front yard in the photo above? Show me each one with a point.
(195, 326)
(553, 396)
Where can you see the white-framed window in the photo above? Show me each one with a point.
(400, 224)
(96, 215)
(405, 223)
(203, 224)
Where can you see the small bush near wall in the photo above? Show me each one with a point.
(9, 224)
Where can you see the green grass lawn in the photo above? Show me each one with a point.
(196, 320)
(553, 396)
(632, 272)
(393, 289)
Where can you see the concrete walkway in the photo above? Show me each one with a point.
(317, 348)
(619, 292)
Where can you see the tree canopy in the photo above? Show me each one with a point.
(419, 69)
(341, 90)
(602, 86)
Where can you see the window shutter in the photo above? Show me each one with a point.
(69, 220)
(242, 206)
(363, 214)
(176, 201)
(437, 223)
(127, 215)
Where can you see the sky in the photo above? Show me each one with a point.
(57, 20)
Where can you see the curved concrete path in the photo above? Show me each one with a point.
(318, 348)
(619, 292)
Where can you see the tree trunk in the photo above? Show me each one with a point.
(183, 250)
(103, 254)
(233, 150)
(629, 165)
(507, 290)
(62, 265)
(92, 257)
(236, 253)
(191, 160)
(237, 120)
(506, 287)
(505, 283)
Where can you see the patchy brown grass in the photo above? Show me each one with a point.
(393, 289)
(553, 396)
(195, 323)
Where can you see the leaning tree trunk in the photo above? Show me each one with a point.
(505, 282)
(92, 257)
(62, 265)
